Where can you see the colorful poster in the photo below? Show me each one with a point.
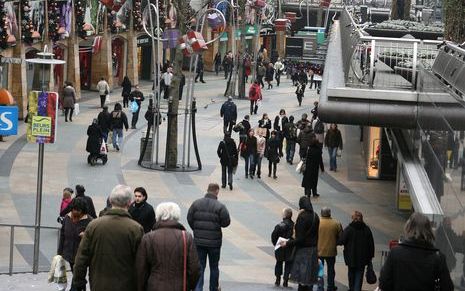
(65, 9)
(42, 117)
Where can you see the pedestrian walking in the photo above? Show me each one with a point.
(299, 92)
(118, 120)
(69, 100)
(217, 62)
(278, 125)
(116, 236)
(65, 200)
(261, 71)
(314, 110)
(103, 90)
(416, 264)
(265, 123)
(283, 256)
(303, 139)
(247, 67)
(228, 112)
(302, 123)
(243, 128)
(278, 69)
(313, 162)
(329, 232)
(319, 129)
(206, 217)
(311, 75)
(166, 78)
(305, 266)
(141, 211)
(227, 152)
(273, 153)
(104, 121)
(302, 77)
(167, 257)
(127, 87)
(269, 74)
(290, 133)
(227, 64)
(137, 97)
(249, 152)
(333, 141)
(80, 192)
(72, 230)
(261, 147)
(255, 95)
(94, 139)
(199, 69)
(359, 250)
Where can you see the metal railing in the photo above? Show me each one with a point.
(27, 238)
(382, 62)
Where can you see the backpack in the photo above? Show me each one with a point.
(293, 132)
(319, 127)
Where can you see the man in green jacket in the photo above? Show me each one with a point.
(109, 247)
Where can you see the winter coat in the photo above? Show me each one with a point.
(302, 123)
(313, 162)
(102, 86)
(261, 146)
(246, 125)
(287, 129)
(251, 146)
(283, 123)
(303, 139)
(206, 217)
(333, 139)
(104, 120)
(255, 92)
(94, 139)
(284, 229)
(359, 247)
(108, 249)
(328, 234)
(262, 123)
(144, 214)
(414, 265)
(261, 71)
(228, 111)
(69, 236)
(160, 259)
(118, 120)
(89, 205)
(69, 97)
(306, 227)
(127, 86)
(269, 74)
(137, 96)
(273, 150)
(227, 152)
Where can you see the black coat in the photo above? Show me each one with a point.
(306, 226)
(269, 74)
(126, 88)
(303, 139)
(228, 111)
(144, 214)
(119, 119)
(137, 96)
(227, 152)
(206, 217)
(414, 265)
(313, 162)
(283, 123)
(273, 149)
(69, 236)
(265, 124)
(359, 247)
(94, 140)
(251, 144)
(104, 120)
(89, 205)
(284, 229)
(246, 125)
(333, 139)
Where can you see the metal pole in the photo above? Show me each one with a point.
(12, 242)
(308, 14)
(40, 171)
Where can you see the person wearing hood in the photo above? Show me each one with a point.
(127, 86)
(305, 267)
(80, 192)
(141, 211)
(359, 250)
(416, 264)
(94, 138)
(313, 162)
(161, 253)
(303, 139)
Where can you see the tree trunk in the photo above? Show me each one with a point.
(454, 19)
(400, 9)
(240, 67)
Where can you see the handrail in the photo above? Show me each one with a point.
(28, 226)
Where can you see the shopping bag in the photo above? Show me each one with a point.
(76, 108)
(107, 99)
(301, 166)
(103, 148)
(134, 107)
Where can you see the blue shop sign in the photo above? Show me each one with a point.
(8, 120)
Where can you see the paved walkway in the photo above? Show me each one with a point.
(247, 261)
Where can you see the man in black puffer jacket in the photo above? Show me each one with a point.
(206, 217)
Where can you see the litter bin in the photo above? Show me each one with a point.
(148, 150)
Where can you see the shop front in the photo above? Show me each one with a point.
(85, 66)
(380, 163)
(144, 57)
(118, 58)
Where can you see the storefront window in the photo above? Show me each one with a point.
(373, 152)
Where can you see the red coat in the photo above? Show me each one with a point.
(255, 92)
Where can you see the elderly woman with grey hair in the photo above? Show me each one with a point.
(415, 264)
(167, 258)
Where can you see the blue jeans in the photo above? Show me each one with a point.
(249, 164)
(117, 136)
(290, 150)
(332, 158)
(258, 164)
(331, 273)
(355, 276)
(213, 259)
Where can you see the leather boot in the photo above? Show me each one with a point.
(278, 281)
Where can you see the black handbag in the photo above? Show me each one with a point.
(370, 274)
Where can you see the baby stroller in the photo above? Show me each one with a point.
(96, 146)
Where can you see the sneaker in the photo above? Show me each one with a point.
(203, 81)
(277, 282)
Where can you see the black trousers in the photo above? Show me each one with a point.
(253, 107)
(125, 101)
(102, 100)
(199, 75)
(70, 111)
(272, 165)
(135, 118)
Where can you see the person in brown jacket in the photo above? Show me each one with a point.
(328, 233)
(160, 261)
(109, 247)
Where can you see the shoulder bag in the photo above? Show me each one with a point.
(370, 274)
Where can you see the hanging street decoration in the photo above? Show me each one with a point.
(3, 27)
(53, 20)
(80, 13)
(26, 23)
(137, 15)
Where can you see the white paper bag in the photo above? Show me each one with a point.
(76, 108)
(107, 99)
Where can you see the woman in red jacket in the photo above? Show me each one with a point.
(255, 94)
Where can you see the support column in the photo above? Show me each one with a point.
(281, 43)
(132, 62)
(102, 63)
(19, 82)
(73, 73)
